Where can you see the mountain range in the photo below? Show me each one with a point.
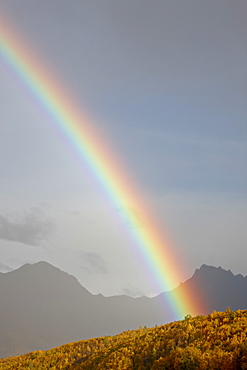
(42, 307)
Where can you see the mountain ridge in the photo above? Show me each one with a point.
(42, 307)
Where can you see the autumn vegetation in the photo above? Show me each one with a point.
(216, 341)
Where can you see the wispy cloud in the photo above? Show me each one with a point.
(132, 291)
(93, 263)
(5, 268)
(133, 218)
(30, 227)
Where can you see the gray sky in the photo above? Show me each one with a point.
(165, 82)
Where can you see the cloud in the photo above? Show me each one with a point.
(132, 291)
(30, 227)
(5, 268)
(133, 218)
(93, 263)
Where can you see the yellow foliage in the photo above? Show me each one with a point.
(216, 341)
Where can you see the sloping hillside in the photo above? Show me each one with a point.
(216, 341)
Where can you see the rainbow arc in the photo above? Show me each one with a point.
(84, 139)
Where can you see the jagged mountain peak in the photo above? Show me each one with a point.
(216, 272)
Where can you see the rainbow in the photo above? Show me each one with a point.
(84, 139)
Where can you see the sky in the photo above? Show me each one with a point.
(164, 85)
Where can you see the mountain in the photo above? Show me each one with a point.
(220, 288)
(42, 307)
(215, 341)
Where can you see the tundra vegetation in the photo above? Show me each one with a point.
(215, 341)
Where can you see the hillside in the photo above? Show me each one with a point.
(215, 341)
(43, 307)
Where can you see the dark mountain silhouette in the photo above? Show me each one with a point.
(220, 288)
(42, 307)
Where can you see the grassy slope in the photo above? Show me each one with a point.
(216, 341)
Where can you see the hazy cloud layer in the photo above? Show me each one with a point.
(93, 263)
(30, 227)
(5, 268)
(132, 291)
